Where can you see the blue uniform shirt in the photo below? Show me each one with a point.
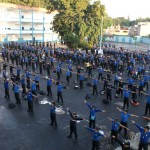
(16, 89)
(22, 81)
(124, 117)
(6, 85)
(95, 82)
(81, 77)
(68, 73)
(37, 78)
(115, 126)
(144, 138)
(93, 111)
(96, 135)
(126, 93)
(148, 99)
(33, 86)
(49, 82)
(52, 109)
(59, 88)
(29, 96)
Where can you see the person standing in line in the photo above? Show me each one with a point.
(92, 117)
(49, 84)
(6, 86)
(95, 83)
(30, 101)
(68, 75)
(73, 125)
(59, 92)
(114, 129)
(37, 81)
(124, 120)
(97, 135)
(144, 137)
(23, 85)
(81, 79)
(53, 114)
(58, 72)
(147, 107)
(16, 91)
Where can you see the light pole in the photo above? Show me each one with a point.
(101, 33)
(149, 41)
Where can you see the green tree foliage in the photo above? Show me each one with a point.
(127, 22)
(79, 19)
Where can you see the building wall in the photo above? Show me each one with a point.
(128, 39)
(25, 23)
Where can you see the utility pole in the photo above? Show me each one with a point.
(101, 33)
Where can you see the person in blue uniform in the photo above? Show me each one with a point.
(59, 92)
(144, 137)
(30, 101)
(124, 120)
(114, 129)
(49, 84)
(6, 86)
(95, 83)
(53, 114)
(92, 117)
(16, 91)
(97, 134)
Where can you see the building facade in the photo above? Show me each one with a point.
(142, 29)
(21, 23)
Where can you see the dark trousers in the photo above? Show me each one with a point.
(126, 102)
(49, 91)
(30, 106)
(95, 145)
(37, 86)
(59, 95)
(95, 90)
(28, 83)
(108, 96)
(143, 146)
(114, 133)
(146, 84)
(115, 83)
(7, 93)
(91, 123)
(58, 75)
(100, 76)
(81, 84)
(125, 130)
(17, 98)
(53, 119)
(23, 89)
(74, 131)
(67, 78)
(147, 108)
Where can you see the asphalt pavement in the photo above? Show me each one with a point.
(20, 130)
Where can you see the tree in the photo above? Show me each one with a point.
(79, 19)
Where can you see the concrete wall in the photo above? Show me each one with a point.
(128, 39)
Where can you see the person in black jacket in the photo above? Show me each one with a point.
(73, 124)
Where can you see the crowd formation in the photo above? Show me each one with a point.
(123, 71)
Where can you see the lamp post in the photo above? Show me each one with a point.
(101, 33)
(149, 41)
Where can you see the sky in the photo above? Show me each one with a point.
(124, 8)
